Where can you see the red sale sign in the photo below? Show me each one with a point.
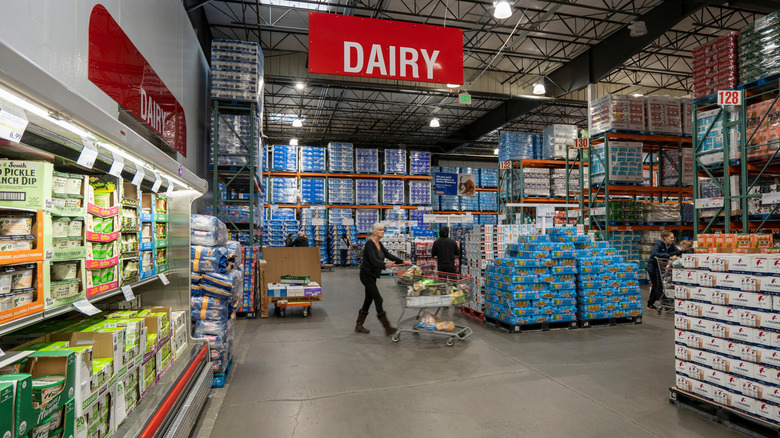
(121, 71)
(355, 46)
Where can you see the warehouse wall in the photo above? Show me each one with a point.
(54, 35)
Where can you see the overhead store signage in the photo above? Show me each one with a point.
(729, 97)
(445, 184)
(121, 71)
(467, 185)
(355, 46)
(580, 143)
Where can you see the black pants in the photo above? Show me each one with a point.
(656, 289)
(344, 253)
(372, 293)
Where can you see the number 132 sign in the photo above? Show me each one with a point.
(729, 97)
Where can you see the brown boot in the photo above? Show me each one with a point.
(359, 323)
(389, 330)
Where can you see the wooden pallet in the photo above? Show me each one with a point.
(536, 327)
(608, 322)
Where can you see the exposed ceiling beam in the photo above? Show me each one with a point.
(762, 6)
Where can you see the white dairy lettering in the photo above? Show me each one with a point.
(348, 46)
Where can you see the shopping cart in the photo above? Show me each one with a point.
(665, 268)
(420, 290)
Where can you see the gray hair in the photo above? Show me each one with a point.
(376, 227)
(302, 233)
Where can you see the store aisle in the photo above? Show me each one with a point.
(315, 377)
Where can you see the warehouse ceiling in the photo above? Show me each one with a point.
(567, 44)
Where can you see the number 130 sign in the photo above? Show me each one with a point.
(729, 97)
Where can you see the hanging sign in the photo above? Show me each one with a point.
(117, 165)
(128, 292)
(505, 165)
(118, 68)
(580, 143)
(157, 182)
(88, 154)
(85, 307)
(729, 97)
(355, 46)
(139, 177)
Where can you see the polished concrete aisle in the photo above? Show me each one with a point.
(315, 377)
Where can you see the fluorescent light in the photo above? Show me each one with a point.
(637, 94)
(503, 10)
(435, 123)
(293, 142)
(300, 85)
(297, 123)
(637, 29)
(495, 151)
(539, 88)
(453, 86)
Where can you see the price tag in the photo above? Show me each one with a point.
(729, 97)
(157, 182)
(164, 279)
(599, 211)
(505, 165)
(770, 198)
(13, 122)
(85, 307)
(396, 207)
(117, 166)
(128, 291)
(89, 153)
(573, 213)
(139, 177)
(169, 190)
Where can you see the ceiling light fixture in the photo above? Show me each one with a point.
(300, 85)
(637, 29)
(297, 122)
(453, 86)
(539, 89)
(435, 123)
(293, 142)
(502, 9)
(637, 94)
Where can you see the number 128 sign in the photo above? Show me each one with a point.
(729, 97)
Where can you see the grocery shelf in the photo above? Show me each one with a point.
(544, 164)
(642, 190)
(651, 143)
(650, 227)
(359, 207)
(488, 189)
(348, 175)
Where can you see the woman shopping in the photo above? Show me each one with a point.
(664, 249)
(344, 245)
(374, 255)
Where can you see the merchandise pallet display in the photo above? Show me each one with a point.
(616, 164)
(737, 173)
(727, 341)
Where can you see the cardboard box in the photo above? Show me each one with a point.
(751, 354)
(770, 285)
(772, 395)
(682, 322)
(680, 336)
(683, 383)
(720, 363)
(733, 383)
(749, 318)
(32, 184)
(743, 369)
(714, 345)
(714, 312)
(744, 335)
(732, 349)
(31, 255)
(695, 371)
(682, 292)
(694, 341)
(702, 389)
(744, 403)
(36, 306)
(714, 377)
(702, 326)
(720, 330)
(682, 352)
(721, 396)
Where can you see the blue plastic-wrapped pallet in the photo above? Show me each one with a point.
(365, 219)
(312, 159)
(284, 158)
(435, 201)
(488, 178)
(417, 216)
(236, 70)
(366, 160)
(392, 191)
(469, 203)
(538, 146)
(487, 219)
(282, 214)
(419, 192)
(448, 169)
(395, 161)
(337, 216)
(313, 190)
(229, 143)
(487, 201)
(470, 171)
(341, 157)
(419, 163)
(366, 191)
(515, 146)
(392, 214)
(284, 190)
(557, 139)
(341, 191)
(449, 203)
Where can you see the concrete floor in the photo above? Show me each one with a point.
(315, 377)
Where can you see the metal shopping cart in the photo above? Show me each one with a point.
(432, 290)
(665, 268)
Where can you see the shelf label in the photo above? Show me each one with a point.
(164, 279)
(157, 182)
(729, 97)
(708, 203)
(13, 122)
(573, 213)
(505, 165)
(580, 143)
(139, 177)
(128, 291)
(396, 207)
(169, 190)
(2, 353)
(89, 153)
(117, 166)
(598, 211)
(85, 307)
(770, 198)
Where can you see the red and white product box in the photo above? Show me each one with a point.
(744, 334)
(715, 377)
(721, 297)
(682, 292)
(681, 367)
(680, 307)
(765, 410)
(772, 395)
(753, 389)
(701, 357)
(702, 294)
(765, 374)
(727, 280)
(734, 383)
(695, 371)
(705, 278)
(680, 336)
(731, 315)
(763, 338)
(771, 357)
(682, 322)
(743, 369)
(682, 352)
(715, 312)
(751, 354)
(702, 326)
(693, 340)
(770, 285)
(721, 396)
(776, 303)
(751, 283)
(733, 349)
(702, 389)
(749, 318)
(693, 309)
(721, 363)
(683, 383)
(714, 345)
(744, 403)
(721, 330)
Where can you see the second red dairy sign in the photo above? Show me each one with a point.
(355, 46)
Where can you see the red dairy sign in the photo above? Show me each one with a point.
(121, 71)
(367, 47)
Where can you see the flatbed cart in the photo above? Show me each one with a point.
(282, 303)
(416, 291)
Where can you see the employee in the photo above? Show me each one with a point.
(374, 255)
(301, 240)
(445, 249)
(665, 250)
(344, 249)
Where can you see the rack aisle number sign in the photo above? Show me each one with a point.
(729, 97)
(357, 46)
(580, 143)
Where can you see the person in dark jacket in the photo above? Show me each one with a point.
(664, 248)
(344, 245)
(289, 240)
(445, 249)
(301, 240)
(374, 255)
